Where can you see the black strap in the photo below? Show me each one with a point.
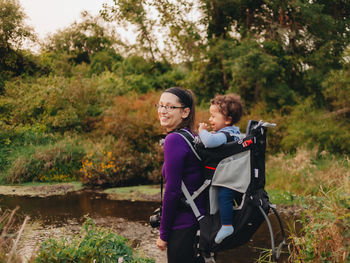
(190, 139)
(229, 136)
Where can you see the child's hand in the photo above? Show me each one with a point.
(202, 126)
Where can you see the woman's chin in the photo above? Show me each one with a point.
(164, 125)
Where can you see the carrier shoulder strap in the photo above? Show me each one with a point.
(190, 139)
(229, 136)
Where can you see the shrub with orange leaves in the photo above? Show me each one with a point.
(134, 125)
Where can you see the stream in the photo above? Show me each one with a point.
(130, 219)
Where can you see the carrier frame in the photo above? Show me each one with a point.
(255, 205)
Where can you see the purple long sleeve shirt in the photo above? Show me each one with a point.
(180, 164)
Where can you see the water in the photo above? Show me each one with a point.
(59, 210)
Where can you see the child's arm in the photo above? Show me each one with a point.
(211, 140)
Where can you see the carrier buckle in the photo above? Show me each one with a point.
(210, 258)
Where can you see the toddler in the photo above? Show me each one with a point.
(225, 110)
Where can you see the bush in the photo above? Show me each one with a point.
(104, 61)
(315, 128)
(325, 231)
(17, 141)
(93, 245)
(56, 162)
(100, 169)
(56, 103)
(133, 157)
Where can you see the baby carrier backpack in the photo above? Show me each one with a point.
(241, 164)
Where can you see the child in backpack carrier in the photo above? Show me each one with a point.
(225, 110)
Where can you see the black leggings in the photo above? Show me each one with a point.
(180, 245)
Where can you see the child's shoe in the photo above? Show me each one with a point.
(224, 232)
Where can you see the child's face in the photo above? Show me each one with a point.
(217, 120)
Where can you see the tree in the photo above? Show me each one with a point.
(337, 89)
(13, 31)
(80, 41)
(299, 40)
(161, 23)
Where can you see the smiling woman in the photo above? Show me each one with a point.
(170, 112)
(176, 109)
(178, 226)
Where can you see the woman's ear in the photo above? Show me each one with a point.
(185, 113)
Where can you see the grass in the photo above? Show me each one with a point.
(140, 193)
(77, 184)
(40, 189)
(144, 189)
(10, 236)
(320, 184)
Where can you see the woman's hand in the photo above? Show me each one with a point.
(202, 126)
(161, 244)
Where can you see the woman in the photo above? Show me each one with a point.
(178, 226)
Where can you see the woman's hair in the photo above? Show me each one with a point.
(186, 98)
(229, 105)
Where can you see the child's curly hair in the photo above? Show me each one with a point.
(230, 105)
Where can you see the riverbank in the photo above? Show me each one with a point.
(144, 193)
(121, 220)
(142, 238)
(40, 189)
(132, 193)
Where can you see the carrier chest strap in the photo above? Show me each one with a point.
(190, 201)
(201, 189)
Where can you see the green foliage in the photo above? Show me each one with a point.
(104, 61)
(170, 78)
(286, 48)
(13, 32)
(325, 231)
(337, 89)
(93, 245)
(84, 42)
(53, 103)
(258, 75)
(59, 162)
(315, 128)
(16, 142)
(13, 29)
(319, 184)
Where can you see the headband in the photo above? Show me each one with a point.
(184, 96)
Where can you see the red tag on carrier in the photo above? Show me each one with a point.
(247, 143)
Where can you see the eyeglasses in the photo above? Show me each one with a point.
(168, 108)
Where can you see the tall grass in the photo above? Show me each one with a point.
(49, 162)
(322, 187)
(10, 236)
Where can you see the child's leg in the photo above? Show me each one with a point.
(226, 196)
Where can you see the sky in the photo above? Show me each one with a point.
(47, 16)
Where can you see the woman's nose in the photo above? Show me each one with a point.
(162, 110)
